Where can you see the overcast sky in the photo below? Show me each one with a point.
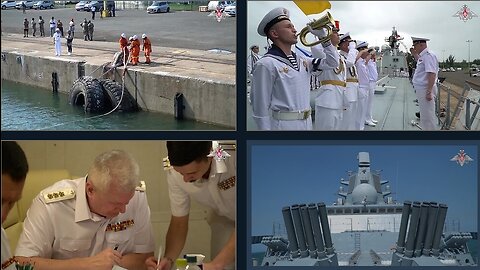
(304, 172)
(373, 21)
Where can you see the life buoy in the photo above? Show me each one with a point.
(87, 92)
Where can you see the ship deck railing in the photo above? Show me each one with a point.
(451, 102)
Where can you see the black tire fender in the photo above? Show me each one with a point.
(113, 93)
(87, 92)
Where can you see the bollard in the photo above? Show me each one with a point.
(178, 106)
(54, 82)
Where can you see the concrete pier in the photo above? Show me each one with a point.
(206, 79)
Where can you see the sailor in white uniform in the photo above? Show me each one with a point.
(350, 55)
(372, 76)
(280, 92)
(424, 82)
(57, 42)
(198, 172)
(363, 83)
(329, 103)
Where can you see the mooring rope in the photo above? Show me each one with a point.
(105, 114)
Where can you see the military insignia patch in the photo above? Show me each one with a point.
(141, 186)
(285, 70)
(226, 184)
(166, 164)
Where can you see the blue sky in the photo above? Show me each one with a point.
(282, 175)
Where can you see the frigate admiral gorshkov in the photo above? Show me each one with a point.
(381, 232)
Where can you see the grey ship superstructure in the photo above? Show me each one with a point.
(365, 227)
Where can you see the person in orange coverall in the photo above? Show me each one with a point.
(124, 46)
(135, 49)
(147, 48)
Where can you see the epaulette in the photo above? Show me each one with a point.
(60, 195)
(231, 146)
(141, 186)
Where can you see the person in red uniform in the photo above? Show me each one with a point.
(135, 47)
(147, 48)
(124, 46)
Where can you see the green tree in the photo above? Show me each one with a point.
(450, 60)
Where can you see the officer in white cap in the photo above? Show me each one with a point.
(280, 92)
(329, 103)
(373, 77)
(424, 82)
(57, 42)
(363, 83)
(350, 55)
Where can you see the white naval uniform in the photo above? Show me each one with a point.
(252, 59)
(279, 89)
(363, 91)
(6, 253)
(209, 192)
(67, 229)
(373, 77)
(58, 44)
(329, 103)
(427, 62)
(351, 91)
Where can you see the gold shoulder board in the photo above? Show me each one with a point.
(141, 186)
(60, 195)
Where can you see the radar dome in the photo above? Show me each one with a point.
(363, 191)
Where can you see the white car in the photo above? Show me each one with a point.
(28, 4)
(158, 7)
(476, 74)
(231, 9)
(80, 5)
(8, 4)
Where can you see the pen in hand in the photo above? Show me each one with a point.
(160, 250)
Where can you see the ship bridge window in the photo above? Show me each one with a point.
(381, 210)
(398, 210)
(373, 210)
(330, 211)
(348, 211)
(395, 59)
(356, 211)
(390, 210)
(364, 210)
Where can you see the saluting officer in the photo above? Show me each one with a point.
(363, 83)
(280, 92)
(425, 82)
(329, 103)
(94, 222)
(350, 55)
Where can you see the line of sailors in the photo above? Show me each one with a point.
(131, 48)
(280, 92)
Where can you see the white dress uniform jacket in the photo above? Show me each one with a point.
(373, 77)
(218, 192)
(427, 63)
(329, 102)
(7, 258)
(278, 87)
(66, 228)
(351, 91)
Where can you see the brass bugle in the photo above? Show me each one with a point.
(326, 22)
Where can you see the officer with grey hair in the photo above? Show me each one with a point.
(94, 222)
(425, 82)
(280, 92)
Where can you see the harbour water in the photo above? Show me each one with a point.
(26, 107)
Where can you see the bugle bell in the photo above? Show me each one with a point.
(326, 22)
